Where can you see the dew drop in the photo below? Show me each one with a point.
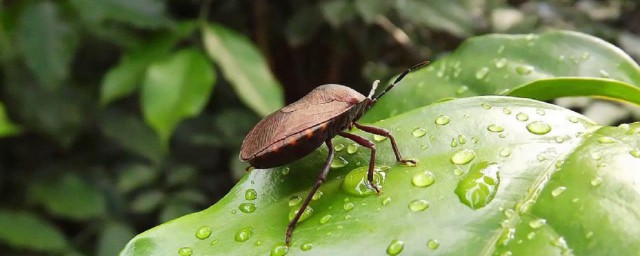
(522, 117)
(461, 90)
(506, 111)
(505, 152)
(338, 147)
(305, 215)
(356, 183)
(462, 139)
(539, 128)
(386, 200)
(185, 251)
(306, 247)
(457, 171)
(295, 200)
(585, 55)
(352, 148)
(442, 120)
(433, 244)
(279, 250)
(418, 205)
(501, 63)
(540, 112)
(423, 179)
(250, 194)
(485, 105)
(258, 243)
(395, 247)
(524, 70)
(244, 234)
(573, 119)
(247, 207)
(348, 206)
(419, 132)
(482, 73)
(325, 219)
(606, 140)
(635, 153)
(317, 195)
(203, 232)
(479, 186)
(537, 223)
(531, 235)
(604, 74)
(495, 128)
(285, 170)
(379, 138)
(596, 181)
(559, 139)
(454, 142)
(214, 242)
(557, 191)
(338, 162)
(463, 156)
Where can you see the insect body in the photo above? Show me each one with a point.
(301, 127)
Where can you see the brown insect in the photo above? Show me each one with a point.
(301, 127)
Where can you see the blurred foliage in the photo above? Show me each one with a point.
(116, 115)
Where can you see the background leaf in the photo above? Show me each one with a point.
(494, 64)
(70, 197)
(142, 13)
(47, 42)
(587, 162)
(113, 237)
(455, 17)
(28, 231)
(243, 66)
(176, 88)
(6, 127)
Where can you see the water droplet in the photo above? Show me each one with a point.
(317, 195)
(352, 148)
(541, 112)
(325, 219)
(338, 162)
(531, 235)
(338, 147)
(423, 179)
(524, 70)
(250, 194)
(588, 235)
(485, 105)
(573, 119)
(560, 243)
(306, 247)
(635, 153)
(279, 250)
(185, 251)
(604, 74)
(606, 140)
(596, 181)
(506, 111)
(463, 156)
(585, 55)
(539, 128)
(501, 63)
(557, 191)
(204, 232)
(461, 90)
(462, 139)
(482, 73)
(395, 247)
(379, 138)
(348, 206)
(433, 244)
(559, 139)
(537, 223)
(495, 128)
(305, 215)
(258, 243)
(424, 147)
(214, 242)
(356, 183)
(295, 200)
(247, 207)
(454, 143)
(474, 139)
(419, 132)
(285, 171)
(479, 186)
(442, 120)
(418, 205)
(505, 152)
(522, 117)
(244, 234)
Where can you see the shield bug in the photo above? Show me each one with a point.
(301, 127)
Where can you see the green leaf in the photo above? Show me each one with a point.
(28, 231)
(7, 128)
(147, 201)
(69, 196)
(503, 168)
(131, 134)
(48, 43)
(456, 17)
(112, 237)
(243, 65)
(135, 176)
(337, 12)
(176, 88)
(126, 77)
(496, 64)
(140, 13)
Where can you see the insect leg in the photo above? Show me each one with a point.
(314, 189)
(365, 143)
(385, 133)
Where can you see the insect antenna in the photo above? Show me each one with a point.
(400, 77)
